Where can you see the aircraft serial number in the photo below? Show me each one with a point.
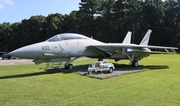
(45, 47)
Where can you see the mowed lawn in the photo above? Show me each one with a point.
(158, 84)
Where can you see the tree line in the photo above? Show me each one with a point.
(104, 20)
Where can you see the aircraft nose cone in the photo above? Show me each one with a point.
(29, 52)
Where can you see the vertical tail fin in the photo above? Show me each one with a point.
(145, 40)
(127, 39)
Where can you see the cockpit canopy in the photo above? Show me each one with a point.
(66, 36)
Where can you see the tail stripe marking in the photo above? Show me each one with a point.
(146, 39)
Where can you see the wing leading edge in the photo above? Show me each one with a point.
(111, 47)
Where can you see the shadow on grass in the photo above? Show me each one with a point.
(45, 72)
(125, 67)
(140, 67)
(83, 68)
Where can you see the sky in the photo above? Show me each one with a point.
(16, 10)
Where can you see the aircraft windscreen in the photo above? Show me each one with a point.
(66, 36)
(53, 39)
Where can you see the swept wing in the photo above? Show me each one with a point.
(112, 47)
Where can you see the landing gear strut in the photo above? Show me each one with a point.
(134, 62)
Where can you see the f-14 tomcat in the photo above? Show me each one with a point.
(62, 47)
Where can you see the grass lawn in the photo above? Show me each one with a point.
(27, 85)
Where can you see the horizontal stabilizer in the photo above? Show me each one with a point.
(157, 47)
(164, 51)
(127, 39)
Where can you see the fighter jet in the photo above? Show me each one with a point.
(62, 47)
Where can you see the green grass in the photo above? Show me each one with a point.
(27, 85)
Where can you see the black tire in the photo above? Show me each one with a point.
(135, 63)
(65, 67)
(70, 66)
(110, 70)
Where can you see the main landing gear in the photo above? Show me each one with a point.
(133, 62)
(68, 66)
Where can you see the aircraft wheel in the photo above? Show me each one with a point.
(110, 70)
(135, 63)
(70, 66)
